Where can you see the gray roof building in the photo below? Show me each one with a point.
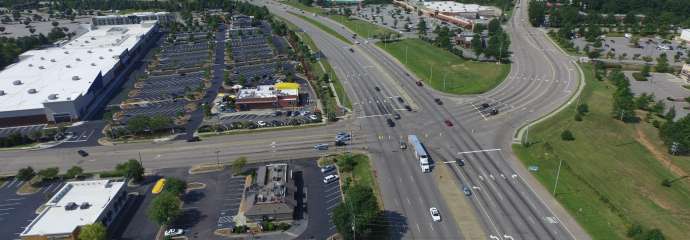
(272, 196)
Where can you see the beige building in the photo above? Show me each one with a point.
(685, 72)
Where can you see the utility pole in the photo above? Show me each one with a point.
(444, 80)
(218, 157)
(558, 174)
(405, 55)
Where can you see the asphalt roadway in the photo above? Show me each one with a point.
(510, 203)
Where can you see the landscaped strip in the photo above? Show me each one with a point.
(445, 71)
(362, 28)
(324, 28)
(610, 177)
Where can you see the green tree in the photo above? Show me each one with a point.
(175, 185)
(94, 231)
(359, 210)
(49, 173)
(238, 164)
(346, 163)
(131, 169)
(537, 12)
(25, 174)
(662, 65)
(566, 135)
(477, 45)
(645, 70)
(494, 27)
(74, 172)
(164, 208)
(421, 27)
(678, 133)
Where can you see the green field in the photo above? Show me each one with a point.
(362, 28)
(608, 180)
(324, 28)
(299, 5)
(433, 65)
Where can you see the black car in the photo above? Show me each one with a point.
(396, 116)
(484, 106)
(352, 50)
(82, 153)
(493, 111)
(377, 89)
(340, 143)
(460, 162)
(408, 108)
(390, 122)
(400, 99)
(438, 101)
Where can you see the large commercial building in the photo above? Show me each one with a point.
(273, 197)
(69, 82)
(75, 205)
(281, 95)
(451, 8)
(133, 18)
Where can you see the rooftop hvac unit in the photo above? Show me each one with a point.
(2, 93)
(41, 67)
(78, 60)
(31, 65)
(110, 49)
(93, 64)
(87, 41)
(101, 57)
(75, 78)
(89, 51)
(52, 59)
(68, 66)
(32, 91)
(52, 96)
(66, 52)
(93, 38)
(42, 58)
(17, 82)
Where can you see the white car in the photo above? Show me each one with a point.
(173, 232)
(330, 178)
(261, 123)
(435, 214)
(313, 117)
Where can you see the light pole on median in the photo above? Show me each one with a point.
(558, 174)
(218, 157)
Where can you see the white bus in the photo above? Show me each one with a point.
(419, 153)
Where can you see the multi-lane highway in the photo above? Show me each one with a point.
(509, 202)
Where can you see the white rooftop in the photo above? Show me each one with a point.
(265, 91)
(55, 219)
(454, 7)
(63, 73)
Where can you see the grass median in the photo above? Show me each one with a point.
(324, 28)
(445, 71)
(611, 173)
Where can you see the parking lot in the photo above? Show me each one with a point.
(647, 47)
(17, 211)
(663, 86)
(24, 130)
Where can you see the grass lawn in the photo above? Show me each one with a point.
(299, 5)
(324, 28)
(363, 174)
(461, 76)
(362, 28)
(608, 180)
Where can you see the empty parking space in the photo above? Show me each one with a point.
(230, 201)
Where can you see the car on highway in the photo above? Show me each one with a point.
(322, 146)
(352, 50)
(330, 178)
(327, 168)
(390, 122)
(438, 101)
(343, 138)
(493, 111)
(173, 232)
(193, 139)
(377, 89)
(82, 153)
(419, 83)
(400, 99)
(408, 108)
(403, 145)
(448, 123)
(484, 106)
(339, 143)
(396, 116)
(435, 214)
(467, 191)
(460, 161)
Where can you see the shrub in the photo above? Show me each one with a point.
(639, 76)
(346, 163)
(74, 171)
(566, 135)
(578, 117)
(25, 174)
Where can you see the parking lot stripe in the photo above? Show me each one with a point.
(333, 188)
(331, 194)
(9, 204)
(5, 209)
(336, 198)
(15, 199)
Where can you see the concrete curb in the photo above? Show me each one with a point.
(581, 85)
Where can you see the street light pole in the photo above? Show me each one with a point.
(558, 174)
(218, 157)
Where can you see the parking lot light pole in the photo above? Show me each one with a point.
(218, 157)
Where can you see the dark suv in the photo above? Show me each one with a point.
(390, 122)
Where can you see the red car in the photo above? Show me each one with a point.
(448, 123)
